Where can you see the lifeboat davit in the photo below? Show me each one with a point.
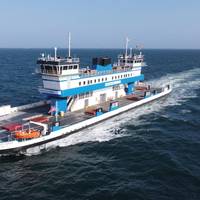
(27, 134)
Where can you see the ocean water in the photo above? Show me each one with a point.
(152, 152)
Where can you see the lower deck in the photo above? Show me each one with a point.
(69, 118)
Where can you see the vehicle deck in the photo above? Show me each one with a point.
(69, 118)
(22, 117)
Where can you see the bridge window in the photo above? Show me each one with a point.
(64, 67)
(49, 69)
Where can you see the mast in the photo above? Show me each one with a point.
(55, 53)
(127, 40)
(69, 43)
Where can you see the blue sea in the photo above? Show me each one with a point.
(150, 153)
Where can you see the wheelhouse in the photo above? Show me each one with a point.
(58, 66)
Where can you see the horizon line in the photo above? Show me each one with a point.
(98, 48)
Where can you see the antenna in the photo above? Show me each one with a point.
(55, 53)
(69, 43)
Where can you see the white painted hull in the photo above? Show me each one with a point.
(17, 146)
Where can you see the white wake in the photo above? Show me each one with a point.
(184, 86)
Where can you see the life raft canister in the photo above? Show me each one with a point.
(27, 134)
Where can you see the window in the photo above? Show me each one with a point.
(102, 79)
(83, 82)
(91, 81)
(75, 66)
(99, 80)
(118, 76)
(70, 67)
(121, 76)
(64, 67)
(116, 87)
(81, 96)
(95, 80)
(106, 78)
(79, 83)
(55, 68)
(112, 77)
(115, 77)
(87, 94)
(88, 82)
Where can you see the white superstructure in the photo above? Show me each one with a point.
(73, 88)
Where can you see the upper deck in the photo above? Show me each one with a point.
(57, 61)
(57, 66)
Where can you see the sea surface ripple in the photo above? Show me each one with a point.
(150, 153)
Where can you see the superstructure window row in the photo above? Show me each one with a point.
(122, 76)
(88, 82)
(93, 81)
(85, 95)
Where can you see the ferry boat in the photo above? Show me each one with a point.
(76, 98)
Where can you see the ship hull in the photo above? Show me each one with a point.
(17, 147)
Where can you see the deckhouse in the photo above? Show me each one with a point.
(70, 88)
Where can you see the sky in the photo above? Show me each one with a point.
(100, 23)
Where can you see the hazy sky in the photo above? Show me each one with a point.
(100, 23)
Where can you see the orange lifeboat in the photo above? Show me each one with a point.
(27, 134)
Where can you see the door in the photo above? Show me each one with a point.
(116, 95)
(102, 98)
(86, 103)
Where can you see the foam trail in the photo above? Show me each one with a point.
(184, 86)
